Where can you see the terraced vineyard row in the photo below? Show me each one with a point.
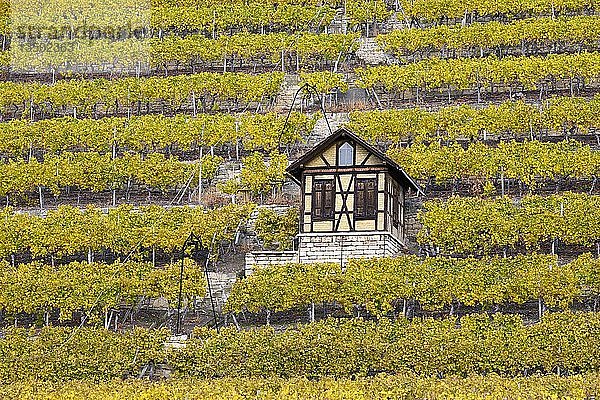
(354, 348)
(567, 160)
(210, 91)
(99, 173)
(209, 17)
(517, 73)
(579, 387)
(221, 17)
(93, 288)
(204, 91)
(530, 162)
(476, 225)
(154, 133)
(526, 37)
(69, 231)
(228, 52)
(508, 120)
(96, 172)
(387, 284)
(453, 11)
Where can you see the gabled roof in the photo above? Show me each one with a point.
(296, 168)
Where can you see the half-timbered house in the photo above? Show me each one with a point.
(353, 200)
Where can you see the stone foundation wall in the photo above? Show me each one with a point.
(265, 258)
(340, 247)
(335, 248)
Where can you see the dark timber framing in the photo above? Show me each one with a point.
(389, 187)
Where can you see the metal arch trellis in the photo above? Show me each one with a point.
(198, 252)
(308, 87)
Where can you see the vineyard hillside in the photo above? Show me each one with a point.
(317, 199)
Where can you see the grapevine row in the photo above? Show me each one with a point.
(324, 82)
(252, 16)
(530, 73)
(561, 342)
(475, 344)
(80, 286)
(256, 131)
(98, 173)
(382, 387)
(438, 10)
(195, 50)
(112, 17)
(477, 39)
(468, 225)
(205, 90)
(63, 354)
(381, 285)
(306, 48)
(150, 133)
(508, 120)
(529, 162)
(69, 231)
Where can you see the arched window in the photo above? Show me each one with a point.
(346, 155)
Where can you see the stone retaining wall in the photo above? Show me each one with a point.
(265, 258)
(339, 247)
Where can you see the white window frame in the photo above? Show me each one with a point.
(346, 155)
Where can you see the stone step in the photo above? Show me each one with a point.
(285, 98)
(321, 130)
(227, 171)
(371, 54)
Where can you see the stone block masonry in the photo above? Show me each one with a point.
(339, 247)
(266, 258)
(332, 247)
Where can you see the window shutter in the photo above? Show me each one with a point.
(371, 203)
(328, 202)
(395, 205)
(365, 198)
(323, 199)
(359, 198)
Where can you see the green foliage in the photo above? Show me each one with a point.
(477, 38)
(435, 283)
(530, 162)
(325, 81)
(152, 133)
(470, 73)
(71, 231)
(36, 288)
(105, 94)
(474, 344)
(274, 229)
(508, 120)
(336, 349)
(380, 387)
(259, 176)
(309, 48)
(98, 173)
(60, 354)
(210, 165)
(283, 287)
(435, 10)
(467, 225)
